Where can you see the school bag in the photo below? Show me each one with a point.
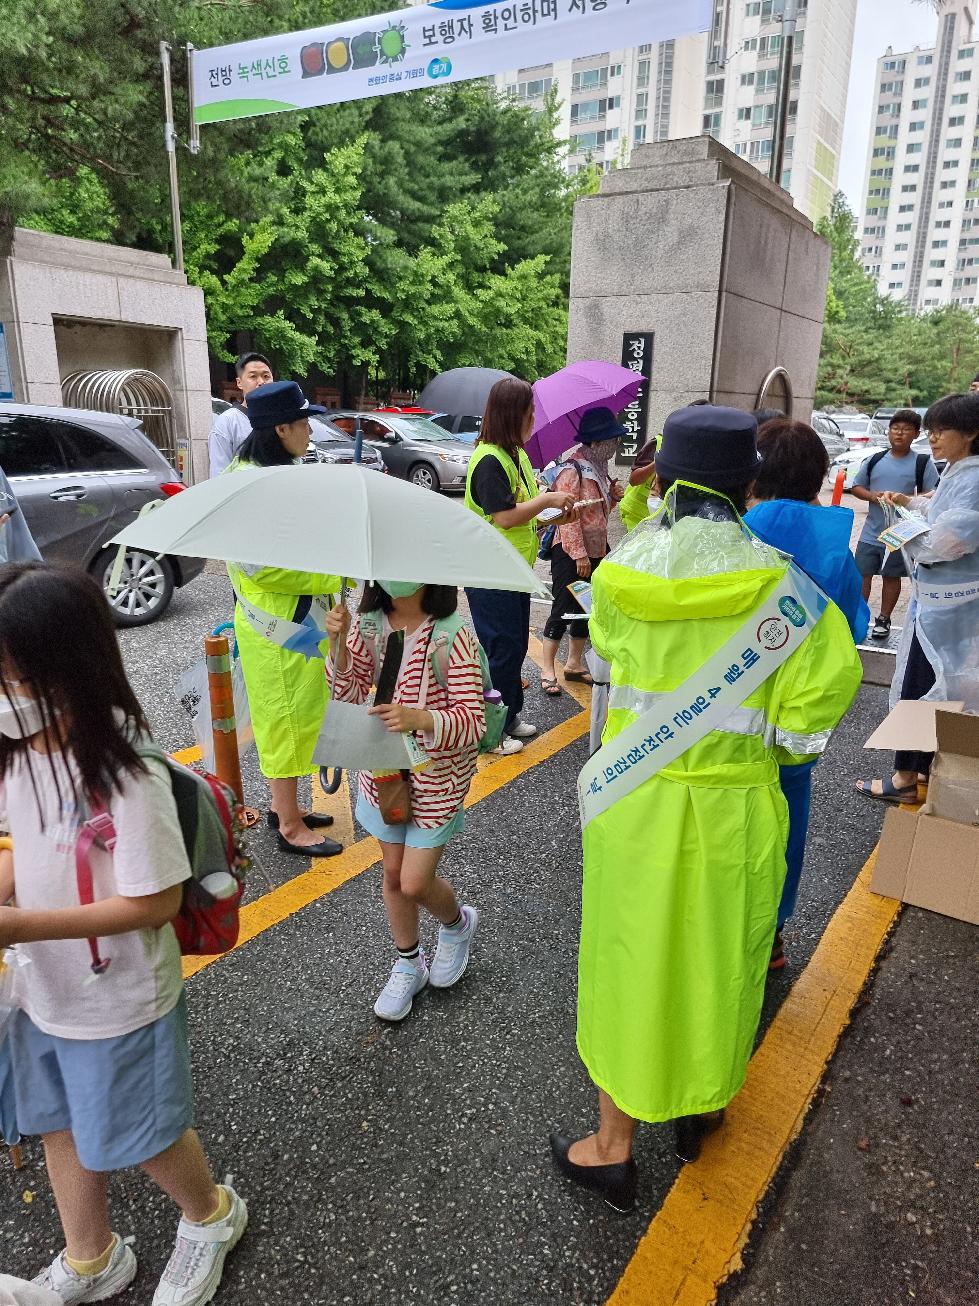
(207, 809)
(920, 463)
(444, 632)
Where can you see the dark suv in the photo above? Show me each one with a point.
(79, 477)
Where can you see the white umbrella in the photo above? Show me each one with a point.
(342, 519)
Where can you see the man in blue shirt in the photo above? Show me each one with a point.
(896, 468)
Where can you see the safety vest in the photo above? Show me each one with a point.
(524, 486)
(634, 505)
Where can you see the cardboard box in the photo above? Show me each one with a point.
(930, 858)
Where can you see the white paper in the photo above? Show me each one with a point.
(350, 738)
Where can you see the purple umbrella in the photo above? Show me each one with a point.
(562, 399)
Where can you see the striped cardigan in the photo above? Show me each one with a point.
(459, 718)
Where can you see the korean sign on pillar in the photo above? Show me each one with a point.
(424, 45)
(637, 354)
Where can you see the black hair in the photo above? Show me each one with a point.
(794, 461)
(265, 448)
(975, 379)
(715, 505)
(79, 680)
(242, 361)
(763, 415)
(437, 600)
(956, 413)
(906, 417)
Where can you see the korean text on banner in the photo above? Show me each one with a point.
(424, 45)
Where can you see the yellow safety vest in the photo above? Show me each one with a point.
(524, 486)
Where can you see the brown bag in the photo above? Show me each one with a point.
(394, 797)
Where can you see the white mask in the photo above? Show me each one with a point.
(21, 718)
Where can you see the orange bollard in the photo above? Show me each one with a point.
(838, 488)
(227, 764)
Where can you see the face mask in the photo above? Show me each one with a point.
(605, 449)
(399, 589)
(20, 718)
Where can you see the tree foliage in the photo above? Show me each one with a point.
(379, 240)
(876, 353)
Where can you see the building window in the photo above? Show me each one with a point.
(642, 106)
(912, 127)
(957, 121)
(964, 76)
(953, 142)
(590, 80)
(642, 74)
(915, 147)
(912, 167)
(747, 79)
(892, 88)
(918, 104)
(967, 52)
(894, 65)
(950, 163)
(924, 60)
(901, 248)
(960, 98)
(895, 285)
(905, 208)
(639, 133)
(712, 123)
(920, 82)
(937, 263)
(898, 267)
(903, 226)
(714, 93)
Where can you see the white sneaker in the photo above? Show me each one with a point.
(62, 1280)
(507, 746)
(194, 1270)
(522, 730)
(407, 979)
(452, 954)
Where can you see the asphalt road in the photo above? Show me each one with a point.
(396, 1164)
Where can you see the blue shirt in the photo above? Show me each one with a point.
(818, 540)
(890, 473)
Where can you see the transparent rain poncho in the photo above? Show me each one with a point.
(944, 610)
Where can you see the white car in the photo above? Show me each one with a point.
(860, 431)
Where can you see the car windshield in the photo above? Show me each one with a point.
(323, 431)
(419, 428)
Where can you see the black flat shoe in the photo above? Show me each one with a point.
(690, 1132)
(325, 847)
(314, 821)
(615, 1183)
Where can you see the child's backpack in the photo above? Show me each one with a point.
(207, 809)
(444, 632)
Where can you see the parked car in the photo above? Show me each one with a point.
(79, 478)
(413, 447)
(329, 444)
(834, 441)
(859, 430)
(882, 417)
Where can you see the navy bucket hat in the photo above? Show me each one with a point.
(599, 424)
(710, 446)
(278, 404)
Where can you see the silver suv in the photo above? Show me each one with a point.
(79, 477)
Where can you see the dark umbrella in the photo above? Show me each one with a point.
(461, 392)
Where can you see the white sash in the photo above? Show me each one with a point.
(302, 637)
(771, 634)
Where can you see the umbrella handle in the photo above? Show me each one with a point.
(332, 786)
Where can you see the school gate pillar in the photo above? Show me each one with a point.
(692, 244)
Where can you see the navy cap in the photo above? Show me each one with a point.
(599, 424)
(277, 404)
(710, 446)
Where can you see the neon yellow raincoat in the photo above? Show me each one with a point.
(682, 877)
(286, 693)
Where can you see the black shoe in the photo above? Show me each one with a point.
(690, 1132)
(616, 1183)
(882, 628)
(314, 821)
(325, 847)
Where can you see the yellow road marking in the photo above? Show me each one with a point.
(328, 873)
(338, 806)
(696, 1238)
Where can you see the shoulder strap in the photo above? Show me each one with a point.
(444, 633)
(872, 462)
(920, 463)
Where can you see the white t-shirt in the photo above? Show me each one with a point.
(57, 988)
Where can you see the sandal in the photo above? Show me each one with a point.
(550, 686)
(579, 677)
(889, 793)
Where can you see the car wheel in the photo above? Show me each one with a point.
(425, 476)
(145, 588)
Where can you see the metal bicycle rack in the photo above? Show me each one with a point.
(131, 392)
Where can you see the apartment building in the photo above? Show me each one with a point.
(920, 227)
(723, 82)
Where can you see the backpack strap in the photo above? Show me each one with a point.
(872, 462)
(98, 829)
(920, 464)
(444, 633)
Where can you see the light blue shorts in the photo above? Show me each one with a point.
(125, 1099)
(411, 835)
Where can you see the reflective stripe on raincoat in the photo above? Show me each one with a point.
(944, 611)
(286, 693)
(682, 878)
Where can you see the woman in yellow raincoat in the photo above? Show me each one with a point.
(286, 681)
(683, 875)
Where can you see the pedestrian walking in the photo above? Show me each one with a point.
(280, 625)
(938, 657)
(683, 871)
(896, 469)
(425, 662)
(501, 486)
(787, 514)
(100, 1058)
(581, 544)
(232, 428)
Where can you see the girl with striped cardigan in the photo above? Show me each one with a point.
(442, 706)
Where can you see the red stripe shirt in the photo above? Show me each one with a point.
(458, 715)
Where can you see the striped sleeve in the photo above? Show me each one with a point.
(460, 725)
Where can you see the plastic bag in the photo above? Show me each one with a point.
(194, 699)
